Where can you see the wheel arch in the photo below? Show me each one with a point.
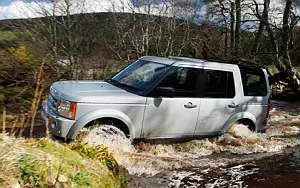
(106, 120)
(244, 118)
(98, 115)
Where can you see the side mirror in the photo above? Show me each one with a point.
(163, 92)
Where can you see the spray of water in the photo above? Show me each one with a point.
(109, 136)
(150, 159)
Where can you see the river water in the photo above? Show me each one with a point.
(238, 158)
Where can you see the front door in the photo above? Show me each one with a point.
(219, 100)
(174, 117)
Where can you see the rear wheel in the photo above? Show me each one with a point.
(248, 123)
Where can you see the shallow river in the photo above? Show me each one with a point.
(239, 158)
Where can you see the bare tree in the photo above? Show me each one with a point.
(261, 27)
(286, 31)
(59, 28)
(225, 15)
(237, 27)
(282, 55)
(280, 31)
(152, 29)
(232, 25)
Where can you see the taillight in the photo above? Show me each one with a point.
(269, 107)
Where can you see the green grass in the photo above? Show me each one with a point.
(7, 35)
(9, 39)
(273, 69)
(46, 163)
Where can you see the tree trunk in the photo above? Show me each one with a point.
(285, 45)
(226, 28)
(237, 27)
(226, 42)
(232, 24)
(265, 16)
(70, 41)
(54, 40)
(257, 38)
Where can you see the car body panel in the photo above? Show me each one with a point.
(94, 92)
(168, 118)
(215, 112)
(257, 106)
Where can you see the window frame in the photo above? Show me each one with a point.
(203, 83)
(249, 71)
(174, 69)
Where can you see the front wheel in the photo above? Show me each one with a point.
(106, 133)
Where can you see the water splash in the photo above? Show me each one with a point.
(150, 159)
(106, 135)
(232, 177)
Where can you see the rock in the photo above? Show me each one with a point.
(62, 178)
(17, 185)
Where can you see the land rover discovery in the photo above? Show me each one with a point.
(163, 98)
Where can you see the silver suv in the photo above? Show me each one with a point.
(157, 98)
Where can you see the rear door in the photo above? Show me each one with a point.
(220, 99)
(174, 117)
(256, 91)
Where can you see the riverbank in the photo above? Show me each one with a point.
(46, 163)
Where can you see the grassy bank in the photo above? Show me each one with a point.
(46, 163)
(273, 69)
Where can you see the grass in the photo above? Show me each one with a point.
(8, 39)
(273, 69)
(46, 163)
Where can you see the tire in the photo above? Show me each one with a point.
(106, 132)
(249, 123)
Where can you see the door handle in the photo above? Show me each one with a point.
(190, 105)
(233, 105)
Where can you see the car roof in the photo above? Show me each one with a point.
(162, 60)
(175, 60)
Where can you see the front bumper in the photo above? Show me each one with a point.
(58, 126)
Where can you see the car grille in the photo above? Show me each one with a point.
(53, 103)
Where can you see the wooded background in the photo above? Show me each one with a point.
(61, 45)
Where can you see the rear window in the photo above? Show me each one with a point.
(254, 82)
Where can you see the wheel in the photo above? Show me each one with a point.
(105, 132)
(248, 123)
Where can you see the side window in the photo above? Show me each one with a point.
(254, 82)
(219, 84)
(184, 82)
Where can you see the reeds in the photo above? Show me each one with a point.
(4, 121)
(40, 86)
(28, 119)
(14, 126)
(22, 126)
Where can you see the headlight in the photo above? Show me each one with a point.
(67, 109)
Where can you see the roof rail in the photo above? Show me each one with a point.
(187, 59)
(240, 63)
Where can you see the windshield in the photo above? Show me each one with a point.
(140, 75)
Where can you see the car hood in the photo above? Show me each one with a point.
(94, 92)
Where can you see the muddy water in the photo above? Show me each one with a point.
(238, 158)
